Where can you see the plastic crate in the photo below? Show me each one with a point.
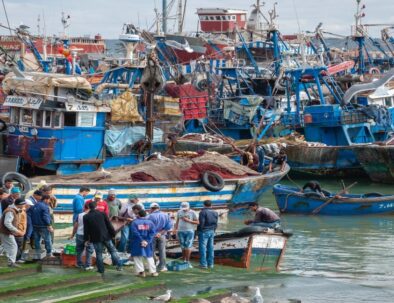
(177, 266)
(71, 260)
(70, 249)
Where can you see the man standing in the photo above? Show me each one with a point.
(127, 212)
(9, 230)
(186, 223)
(80, 243)
(264, 217)
(101, 205)
(114, 204)
(79, 202)
(208, 222)
(42, 225)
(163, 225)
(8, 185)
(15, 193)
(142, 231)
(97, 229)
(22, 226)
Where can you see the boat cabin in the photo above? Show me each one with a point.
(219, 20)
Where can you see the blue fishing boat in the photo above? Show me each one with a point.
(292, 200)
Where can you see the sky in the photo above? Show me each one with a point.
(107, 17)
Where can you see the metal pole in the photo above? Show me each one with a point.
(164, 16)
(149, 116)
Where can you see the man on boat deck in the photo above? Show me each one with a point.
(79, 202)
(312, 187)
(186, 223)
(278, 162)
(264, 217)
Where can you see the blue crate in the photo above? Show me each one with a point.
(177, 266)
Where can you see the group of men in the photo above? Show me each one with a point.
(25, 221)
(144, 234)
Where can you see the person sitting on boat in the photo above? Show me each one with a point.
(264, 217)
(101, 205)
(278, 162)
(313, 187)
(252, 157)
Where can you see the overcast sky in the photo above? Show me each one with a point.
(106, 17)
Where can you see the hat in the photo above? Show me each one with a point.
(29, 202)
(15, 190)
(111, 192)
(154, 205)
(133, 197)
(185, 205)
(98, 195)
(20, 202)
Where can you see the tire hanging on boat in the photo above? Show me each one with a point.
(212, 181)
(3, 125)
(24, 182)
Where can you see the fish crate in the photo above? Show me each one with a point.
(70, 249)
(177, 266)
(71, 260)
(54, 260)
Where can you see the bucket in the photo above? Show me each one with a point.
(307, 118)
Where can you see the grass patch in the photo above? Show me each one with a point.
(207, 295)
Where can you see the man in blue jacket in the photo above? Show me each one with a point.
(163, 225)
(42, 225)
(208, 222)
(79, 202)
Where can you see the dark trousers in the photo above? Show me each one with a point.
(98, 247)
(19, 242)
(159, 244)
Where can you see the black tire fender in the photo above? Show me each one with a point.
(23, 181)
(372, 195)
(215, 186)
(3, 125)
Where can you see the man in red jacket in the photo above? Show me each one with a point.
(101, 205)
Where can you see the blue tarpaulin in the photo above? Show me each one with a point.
(117, 139)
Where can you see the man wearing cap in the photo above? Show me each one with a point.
(79, 202)
(185, 226)
(163, 225)
(42, 225)
(15, 193)
(9, 223)
(114, 204)
(127, 212)
(101, 205)
(31, 201)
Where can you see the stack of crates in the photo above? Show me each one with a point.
(177, 265)
(69, 255)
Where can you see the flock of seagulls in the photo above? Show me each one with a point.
(234, 298)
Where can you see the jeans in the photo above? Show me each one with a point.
(80, 247)
(19, 242)
(42, 232)
(205, 246)
(275, 224)
(98, 247)
(124, 239)
(160, 245)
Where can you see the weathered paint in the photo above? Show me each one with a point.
(291, 200)
(377, 161)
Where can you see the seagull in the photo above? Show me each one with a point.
(257, 298)
(235, 298)
(105, 174)
(163, 298)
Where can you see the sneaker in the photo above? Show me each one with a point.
(14, 265)
(89, 268)
(20, 261)
(164, 269)
(190, 265)
(155, 274)
(128, 263)
(119, 268)
(141, 274)
(49, 255)
(203, 267)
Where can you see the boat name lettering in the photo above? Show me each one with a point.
(19, 101)
(386, 205)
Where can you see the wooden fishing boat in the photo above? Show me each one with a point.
(253, 248)
(291, 200)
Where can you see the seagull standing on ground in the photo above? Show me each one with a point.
(163, 298)
(235, 298)
(257, 298)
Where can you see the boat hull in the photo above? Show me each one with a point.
(169, 195)
(378, 162)
(291, 200)
(257, 252)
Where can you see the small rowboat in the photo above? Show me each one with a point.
(254, 248)
(291, 200)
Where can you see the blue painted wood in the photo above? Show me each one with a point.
(291, 200)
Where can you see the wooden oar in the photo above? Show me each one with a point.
(318, 209)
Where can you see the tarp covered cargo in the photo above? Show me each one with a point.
(125, 108)
(41, 83)
(241, 112)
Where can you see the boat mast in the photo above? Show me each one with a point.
(164, 16)
(359, 37)
(181, 14)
